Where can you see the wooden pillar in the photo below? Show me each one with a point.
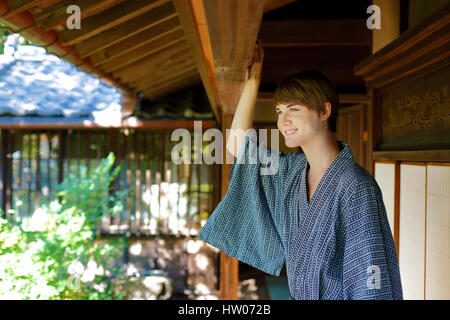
(390, 23)
(222, 35)
(229, 267)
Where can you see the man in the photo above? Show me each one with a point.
(321, 213)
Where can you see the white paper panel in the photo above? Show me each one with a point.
(412, 230)
(385, 176)
(438, 233)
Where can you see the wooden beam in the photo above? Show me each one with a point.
(222, 35)
(318, 32)
(21, 5)
(232, 49)
(275, 4)
(354, 98)
(416, 42)
(416, 155)
(144, 51)
(107, 19)
(57, 14)
(136, 41)
(199, 42)
(128, 29)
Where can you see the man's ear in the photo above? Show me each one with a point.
(326, 113)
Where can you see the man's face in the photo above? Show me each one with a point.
(298, 124)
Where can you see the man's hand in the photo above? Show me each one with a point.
(254, 69)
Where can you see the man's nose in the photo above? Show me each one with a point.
(285, 119)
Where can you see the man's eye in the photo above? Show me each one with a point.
(294, 109)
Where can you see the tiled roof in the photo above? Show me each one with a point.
(33, 83)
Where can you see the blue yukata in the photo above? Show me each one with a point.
(338, 245)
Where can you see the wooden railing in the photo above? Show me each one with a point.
(162, 198)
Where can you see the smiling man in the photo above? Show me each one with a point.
(322, 214)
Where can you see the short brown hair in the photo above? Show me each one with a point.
(312, 89)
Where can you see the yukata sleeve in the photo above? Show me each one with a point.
(248, 223)
(370, 267)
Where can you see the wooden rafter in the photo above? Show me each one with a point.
(162, 76)
(143, 51)
(169, 82)
(154, 60)
(147, 21)
(136, 41)
(165, 75)
(18, 6)
(107, 19)
(175, 81)
(177, 59)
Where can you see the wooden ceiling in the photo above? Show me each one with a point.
(156, 47)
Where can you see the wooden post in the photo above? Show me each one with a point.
(397, 208)
(390, 22)
(229, 267)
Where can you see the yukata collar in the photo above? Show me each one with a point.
(342, 160)
(337, 166)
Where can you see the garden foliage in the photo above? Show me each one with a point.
(57, 253)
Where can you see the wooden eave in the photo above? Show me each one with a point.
(421, 47)
(152, 47)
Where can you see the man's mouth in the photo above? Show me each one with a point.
(290, 132)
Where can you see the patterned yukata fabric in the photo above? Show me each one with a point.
(338, 245)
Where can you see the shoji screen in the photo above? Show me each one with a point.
(438, 232)
(412, 230)
(385, 176)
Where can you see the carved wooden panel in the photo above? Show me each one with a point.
(416, 114)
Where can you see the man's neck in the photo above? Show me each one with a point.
(321, 152)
